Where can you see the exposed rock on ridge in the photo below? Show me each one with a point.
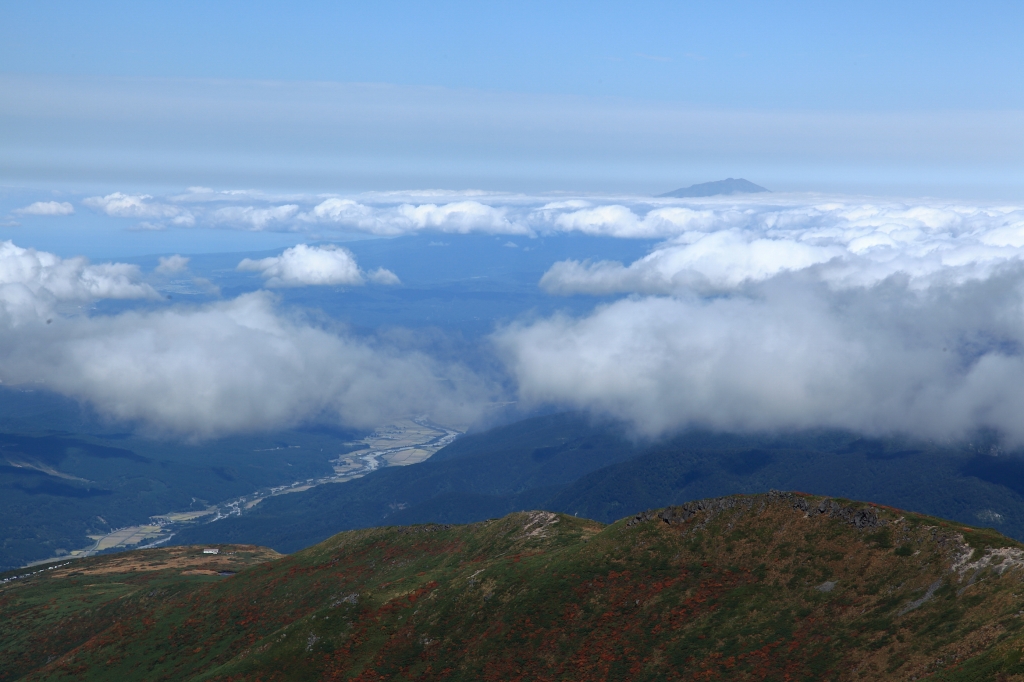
(865, 517)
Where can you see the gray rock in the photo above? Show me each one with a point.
(859, 518)
(918, 602)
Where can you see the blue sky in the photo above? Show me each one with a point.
(912, 99)
(866, 55)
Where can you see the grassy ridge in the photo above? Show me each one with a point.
(774, 586)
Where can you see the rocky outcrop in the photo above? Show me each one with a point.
(929, 593)
(862, 518)
(866, 517)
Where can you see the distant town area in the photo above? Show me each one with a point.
(405, 442)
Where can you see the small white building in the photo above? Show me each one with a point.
(211, 550)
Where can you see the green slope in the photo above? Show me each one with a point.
(770, 586)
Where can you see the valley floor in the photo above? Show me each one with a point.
(402, 443)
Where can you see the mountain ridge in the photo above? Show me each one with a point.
(764, 586)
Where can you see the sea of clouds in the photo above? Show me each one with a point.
(751, 312)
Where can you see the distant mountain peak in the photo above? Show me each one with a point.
(711, 189)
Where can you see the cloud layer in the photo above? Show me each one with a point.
(231, 366)
(878, 317)
(763, 312)
(937, 363)
(845, 244)
(725, 239)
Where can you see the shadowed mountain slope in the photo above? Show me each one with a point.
(568, 464)
(479, 476)
(767, 586)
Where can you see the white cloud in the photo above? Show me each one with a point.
(33, 282)
(255, 218)
(347, 212)
(230, 367)
(51, 208)
(304, 265)
(388, 215)
(869, 315)
(227, 367)
(844, 244)
(616, 220)
(383, 276)
(751, 312)
(877, 316)
(792, 354)
(120, 205)
(461, 217)
(854, 225)
(601, 279)
(708, 244)
(456, 217)
(169, 265)
(711, 261)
